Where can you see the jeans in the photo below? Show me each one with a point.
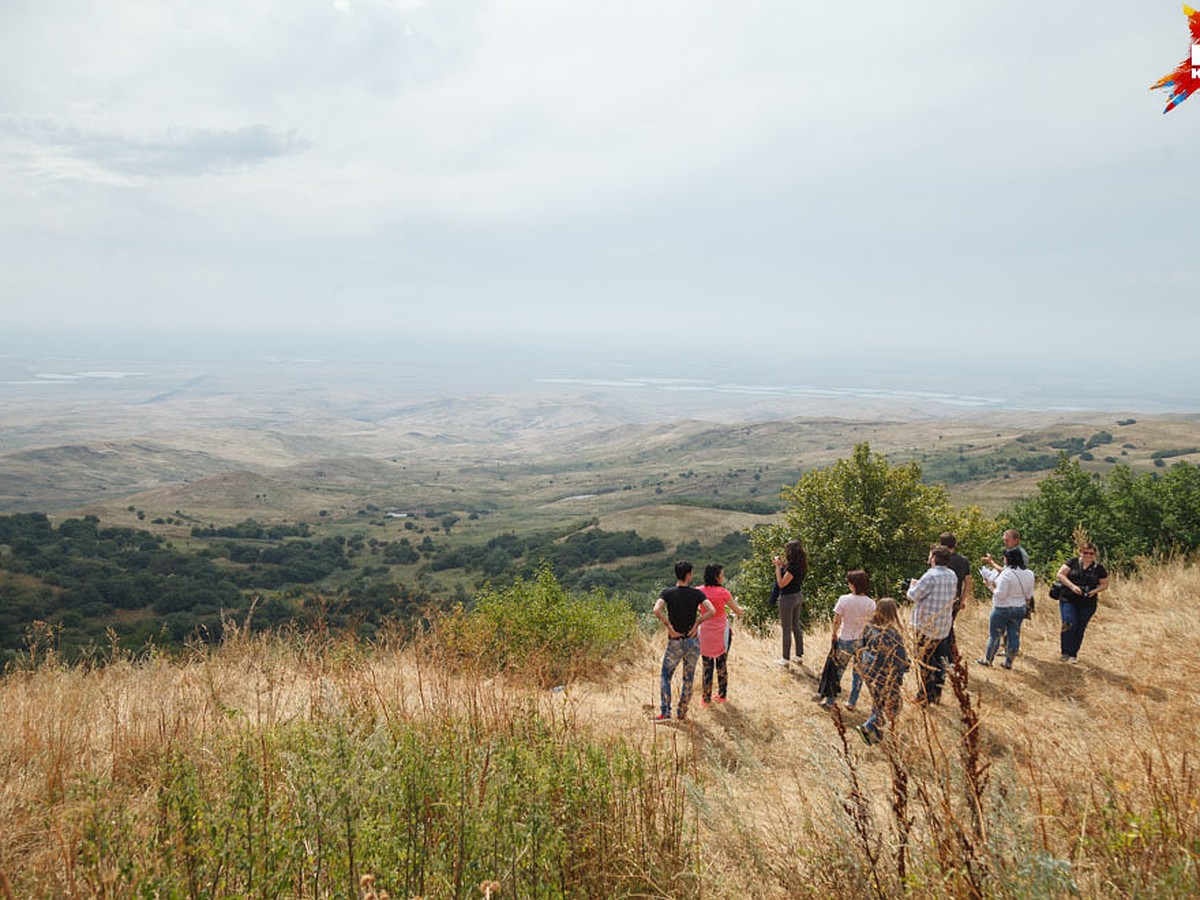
(720, 663)
(679, 650)
(848, 648)
(790, 608)
(885, 703)
(1005, 620)
(931, 674)
(1075, 618)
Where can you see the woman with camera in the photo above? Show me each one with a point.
(790, 570)
(1080, 579)
(1011, 590)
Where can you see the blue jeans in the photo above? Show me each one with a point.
(1005, 620)
(885, 703)
(679, 650)
(1075, 618)
(856, 682)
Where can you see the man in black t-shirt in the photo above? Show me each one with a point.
(681, 609)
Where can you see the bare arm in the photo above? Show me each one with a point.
(659, 606)
(837, 626)
(735, 606)
(707, 611)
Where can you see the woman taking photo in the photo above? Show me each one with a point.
(790, 570)
(1010, 594)
(1082, 578)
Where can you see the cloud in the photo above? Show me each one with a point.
(176, 152)
(597, 165)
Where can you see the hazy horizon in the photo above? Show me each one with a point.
(39, 368)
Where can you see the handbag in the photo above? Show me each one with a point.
(831, 675)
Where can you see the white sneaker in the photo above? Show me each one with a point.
(782, 662)
(1072, 660)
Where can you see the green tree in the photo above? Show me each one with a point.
(1067, 498)
(859, 513)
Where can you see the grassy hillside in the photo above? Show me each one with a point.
(277, 766)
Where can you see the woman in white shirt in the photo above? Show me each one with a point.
(1010, 591)
(851, 613)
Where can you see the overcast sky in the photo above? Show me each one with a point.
(562, 169)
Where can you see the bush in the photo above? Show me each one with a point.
(859, 513)
(1129, 516)
(537, 628)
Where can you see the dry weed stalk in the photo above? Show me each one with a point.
(858, 809)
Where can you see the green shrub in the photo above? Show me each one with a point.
(536, 627)
(428, 808)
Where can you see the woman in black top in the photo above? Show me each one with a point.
(790, 570)
(1084, 578)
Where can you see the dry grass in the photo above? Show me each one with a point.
(1043, 780)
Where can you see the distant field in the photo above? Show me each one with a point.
(678, 524)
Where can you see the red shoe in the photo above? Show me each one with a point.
(663, 717)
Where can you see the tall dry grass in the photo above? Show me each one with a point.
(283, 766)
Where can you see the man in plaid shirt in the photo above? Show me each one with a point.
(933, 597)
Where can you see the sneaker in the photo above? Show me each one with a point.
(663, 717)
(722, 699)
(705, 702)
(983, 662)
(851, 707)
(782, 662)
(826, 703)
(1064, 658)
(1072, 660)
(1008, 664)
(862, 733)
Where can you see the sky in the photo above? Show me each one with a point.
(929, 179)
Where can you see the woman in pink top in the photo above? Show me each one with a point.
(715, 633)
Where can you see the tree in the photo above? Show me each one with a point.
(859, 513)
(1067, 498)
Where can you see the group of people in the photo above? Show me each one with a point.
(866, 634)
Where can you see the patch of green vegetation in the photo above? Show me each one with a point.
(1168, 454)
(537, 627)
(1129, 516)
(764, 507)
(431, 808)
